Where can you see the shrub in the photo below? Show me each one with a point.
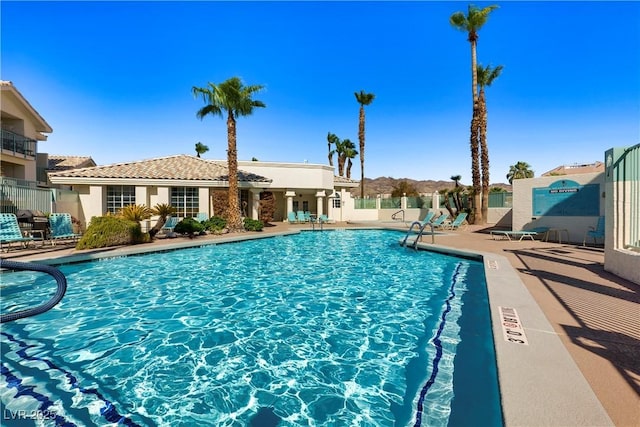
(111, 230)
(189, 226)
(215, 224)
(253, 224)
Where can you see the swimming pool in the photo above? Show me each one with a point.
(319, 328)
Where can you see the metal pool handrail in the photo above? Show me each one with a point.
(61, 280)
(420, 231)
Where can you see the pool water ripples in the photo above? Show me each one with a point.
(320, 327)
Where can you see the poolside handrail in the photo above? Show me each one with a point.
(393, 216)
(61, 281)
(419, 234)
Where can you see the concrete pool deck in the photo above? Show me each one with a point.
(582, 362)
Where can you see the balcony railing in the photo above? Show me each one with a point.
(19, 145)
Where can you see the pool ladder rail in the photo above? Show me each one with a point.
(61, 281)
(421, 228)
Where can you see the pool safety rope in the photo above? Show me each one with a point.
(29, 266)
(438, 345)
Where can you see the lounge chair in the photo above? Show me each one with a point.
(170, 224)
(291, 217)
(595, 232)
(301, 217)
(520, 234)
(439, 222)
(201, 217)
(61, 228)
(326, 220)
(456, 223)
(10, 231)
(428, 217)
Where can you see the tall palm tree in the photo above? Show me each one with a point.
(332, 138)
(201, 148)
(471, 24)
(236, 99)
(518, 171)
(363, 99)
(486, 76)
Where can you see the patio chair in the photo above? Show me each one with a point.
(61, 228)
(170, 224)
(10, 231)
(439, 222)
(301, 217)
(201, 217)
(457, 223)
(595, 232)
(291, 217)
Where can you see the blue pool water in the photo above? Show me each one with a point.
(320, 328)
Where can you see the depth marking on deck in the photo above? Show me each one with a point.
(492, 264)
(512, 329)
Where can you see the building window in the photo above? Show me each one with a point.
(119, 196)
(295, 206)
(185, 200)
(244, 203)
(336, 203)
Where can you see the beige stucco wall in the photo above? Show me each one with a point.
(575, 225)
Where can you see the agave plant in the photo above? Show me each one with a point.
(135, 212)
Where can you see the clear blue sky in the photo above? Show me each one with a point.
(114, 80)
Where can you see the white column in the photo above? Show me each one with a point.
(289, 195)
(435, 201)
(255, 203)
(319, 203)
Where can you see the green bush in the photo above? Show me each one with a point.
(111, 230)
(215, 223)
(253, 224)
(189, 226)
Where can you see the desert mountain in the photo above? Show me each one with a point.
(385, 185)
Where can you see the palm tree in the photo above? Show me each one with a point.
(350, 153)
(363, 99)
(163, 210)
(458, 201)
(486, 76)
(344, 148)
(518, 171)
(471, 24)
(236, 99)
(201, 148)
(331, 139)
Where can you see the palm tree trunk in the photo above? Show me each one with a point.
(474, 73)
(234, 221)
(361, 139)
(484, 158)
(475, 166)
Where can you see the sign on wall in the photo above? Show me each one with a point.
(566, 198)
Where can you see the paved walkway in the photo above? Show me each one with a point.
(595, 314)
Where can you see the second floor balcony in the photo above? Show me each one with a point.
(19, 145)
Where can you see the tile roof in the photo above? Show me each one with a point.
(178, 167)
(62, 163)
(576, 169)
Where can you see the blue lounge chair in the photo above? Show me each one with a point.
(300, 216)
(325, 219)
(439, 222)
(595, 232)
(457, 223)
(170, 224)
(10, 231)
(201, 217)
(61, 228)
(291, 217)
(428, 217)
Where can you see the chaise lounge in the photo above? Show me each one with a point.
(520, 234)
